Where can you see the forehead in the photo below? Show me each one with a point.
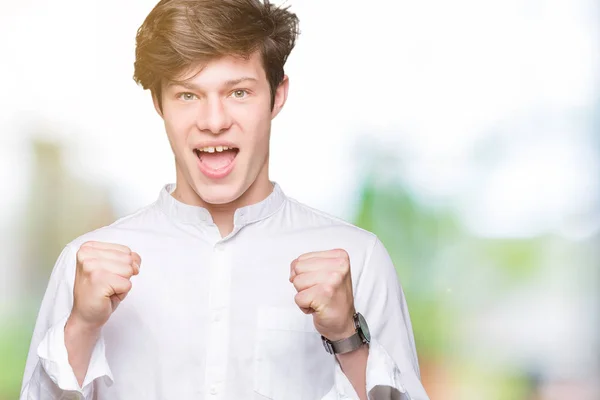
(222, 70)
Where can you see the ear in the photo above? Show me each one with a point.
(280, 96)
(157, 105)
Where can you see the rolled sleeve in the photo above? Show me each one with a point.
(384, 380)
(48, 373)
(54, 358)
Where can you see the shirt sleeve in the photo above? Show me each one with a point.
(392, 364)
(48, 374)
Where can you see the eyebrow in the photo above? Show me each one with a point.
(229, 83)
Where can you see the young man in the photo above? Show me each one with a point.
(224, 288)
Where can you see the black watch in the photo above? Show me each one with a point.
(362, 336)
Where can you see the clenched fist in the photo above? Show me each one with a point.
(102, 280)
(324, 287)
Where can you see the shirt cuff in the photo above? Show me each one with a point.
(54, 358)
(382, 373)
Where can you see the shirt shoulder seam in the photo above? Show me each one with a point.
(113, 224)
(132, 215)
(329, 216)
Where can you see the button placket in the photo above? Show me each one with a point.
(218, 345)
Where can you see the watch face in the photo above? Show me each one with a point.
(364, 328)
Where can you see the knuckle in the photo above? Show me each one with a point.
(130, 270)
(335, 277)
(83, 253)
(80, 256)
(88, 266)
(328, 290)
(300, 299)
(345, 267)
(341, 253)
(128, 259)
(296, 283)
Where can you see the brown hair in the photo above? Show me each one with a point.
(179, 34)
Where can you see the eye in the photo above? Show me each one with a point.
(186, 96)
(239, 93)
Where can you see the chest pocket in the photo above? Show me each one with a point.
(290, 362)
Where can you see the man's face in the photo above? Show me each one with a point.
(218, 124)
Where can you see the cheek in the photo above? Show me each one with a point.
(258, 141)
(252, 132)
(177, 129)
(256, 125)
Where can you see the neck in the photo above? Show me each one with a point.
(222, 214)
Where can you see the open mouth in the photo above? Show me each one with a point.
(216, 158)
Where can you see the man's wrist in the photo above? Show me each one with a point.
(351, 341)
(349, 331)
(80, 339)
(75, 327)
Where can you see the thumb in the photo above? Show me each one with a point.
(117, 287)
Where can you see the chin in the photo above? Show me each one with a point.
(218, 194)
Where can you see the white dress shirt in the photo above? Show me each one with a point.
(215, 318)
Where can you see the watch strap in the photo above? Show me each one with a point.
(344, 345)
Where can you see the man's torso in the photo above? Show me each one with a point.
(216, 319)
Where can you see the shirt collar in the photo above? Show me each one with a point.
(189, 214)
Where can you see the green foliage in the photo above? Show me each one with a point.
(14, 344)
(517, 258)
(412, 235)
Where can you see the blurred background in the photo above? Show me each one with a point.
(466, 134)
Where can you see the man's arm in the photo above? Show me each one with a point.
(392, 370)
(48, 374)
(323, 280)
(67, 351)
(354, 366)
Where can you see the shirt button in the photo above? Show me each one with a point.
(213, 390)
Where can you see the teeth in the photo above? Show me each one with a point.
(210, 149)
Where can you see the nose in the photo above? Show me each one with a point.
(213, 117)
